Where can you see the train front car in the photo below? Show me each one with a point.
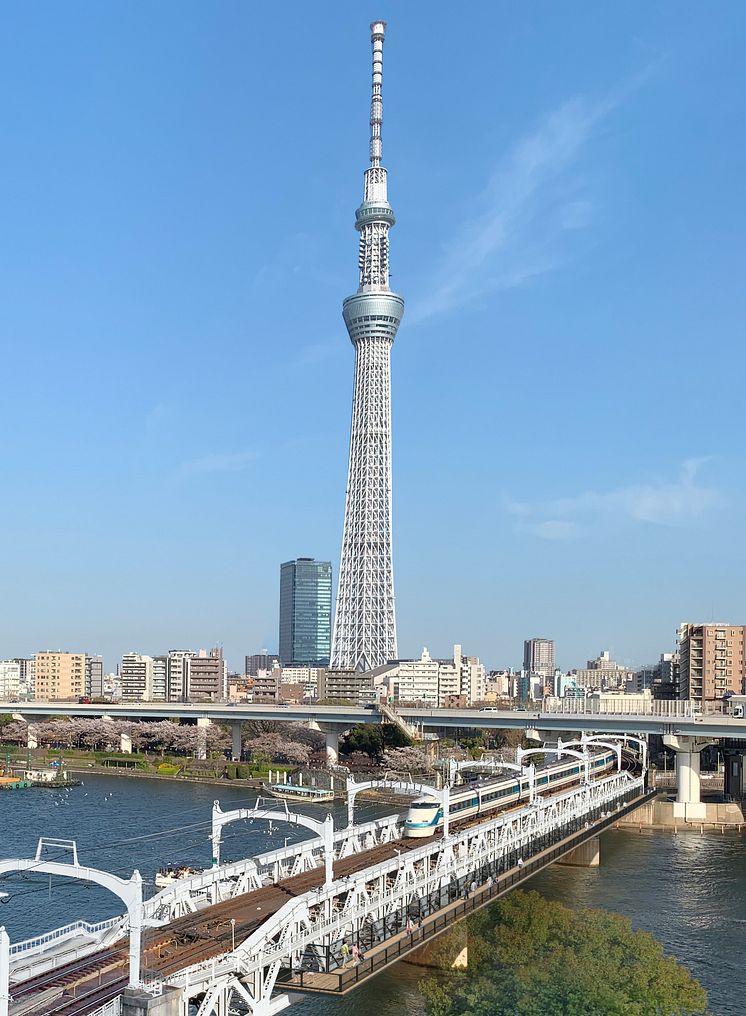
(423, 818)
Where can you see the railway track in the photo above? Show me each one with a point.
(79, 987)
(82, 985)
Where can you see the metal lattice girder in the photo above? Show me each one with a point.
(374, 898)
(227, 881)
(365, 622)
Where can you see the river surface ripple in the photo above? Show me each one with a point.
(689, 890)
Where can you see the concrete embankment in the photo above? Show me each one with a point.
(659, 814)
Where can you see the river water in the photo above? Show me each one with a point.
(689, 890)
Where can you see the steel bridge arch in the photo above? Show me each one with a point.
(614, 741)
(324, 830)
(129, 892)
(409, 788)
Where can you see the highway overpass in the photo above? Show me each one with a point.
(341, 718)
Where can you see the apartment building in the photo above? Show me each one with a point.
(59, 676)
(711, 660)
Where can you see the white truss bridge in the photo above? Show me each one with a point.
(385, 907)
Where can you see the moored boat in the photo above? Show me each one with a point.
(173, 873)
(298, 793)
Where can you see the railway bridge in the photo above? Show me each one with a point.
(243, 936)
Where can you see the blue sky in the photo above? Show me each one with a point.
(179, 184)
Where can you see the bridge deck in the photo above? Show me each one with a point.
(381, 956)
(101, 976)
(83, 985)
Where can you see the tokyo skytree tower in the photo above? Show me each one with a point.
(365, 621)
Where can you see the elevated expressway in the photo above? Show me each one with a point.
(241, 935)
(341, 718)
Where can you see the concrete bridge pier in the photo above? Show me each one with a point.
(688, 804)
(587, 855)
(32, 738)
(203, 722)
(136, 1002)
(125, 743)
(331, 736)
(236, 741)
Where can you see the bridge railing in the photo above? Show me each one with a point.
(618, 707)
(77, 928)
(265, 868)
(291, 929)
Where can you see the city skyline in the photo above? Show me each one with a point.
(574, 219)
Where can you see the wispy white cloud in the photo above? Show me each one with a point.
(536, 199)
(679, 502)
(220, 462)
(530, 201)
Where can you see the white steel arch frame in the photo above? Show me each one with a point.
(324, 830)
(372, 905)
(405, 787)
(129, 890)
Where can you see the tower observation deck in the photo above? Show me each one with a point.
(365, 622)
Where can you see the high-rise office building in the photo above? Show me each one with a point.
(538, 657)
(365, 622)
(711, 660)
(305, 612)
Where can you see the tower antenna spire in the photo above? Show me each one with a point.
(377, 32)
(365, 619)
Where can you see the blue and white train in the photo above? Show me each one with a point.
(425, 815)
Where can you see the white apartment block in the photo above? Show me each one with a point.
(136, 675)
(10, 680)
(433, 682)
(418, 680)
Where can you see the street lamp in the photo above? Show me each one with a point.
(233, 934)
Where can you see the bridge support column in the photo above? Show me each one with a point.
(203, 722)
(332, 746)
(4, 972)
(331, 735)
(688, 804)
(140, 1003)
(32, 738)
(236, 741)
(125, 743)
(734, 784)
(587, 855)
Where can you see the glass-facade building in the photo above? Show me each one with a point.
(305, 612)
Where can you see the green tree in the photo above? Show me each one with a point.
(532, 957)
(374, 739)
(366, 738)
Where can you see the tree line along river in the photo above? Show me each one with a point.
(689, 890)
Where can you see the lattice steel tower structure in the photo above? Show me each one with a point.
(365, 621)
